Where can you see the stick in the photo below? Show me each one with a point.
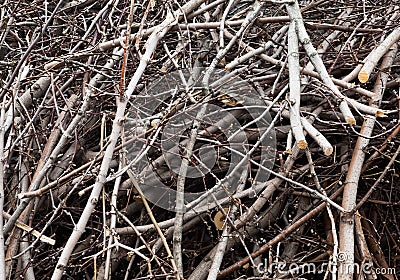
(151, 45)
(372, 59)
(286, 232)
(346, 224)
(294, 87)
(295, 15)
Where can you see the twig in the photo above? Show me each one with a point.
(339, 82)
(250, 17)
(372, 59)
(66, 136)
(180, 190)
(2, 248)
(284, 233)
(113, 223)
(257, 51)
(294, 86)
(154, 221)
(377, 182)
(363, 249)
(222, 24)
(32, 231)
(223, 242)
(295, 15)
(346, 236)
(330, 214)
(318, 137)
(126, 46)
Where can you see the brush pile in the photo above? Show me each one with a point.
(211, 139)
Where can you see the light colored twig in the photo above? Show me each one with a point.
(306, 71)
(151, 44)
(330, 214)
(318, 137)
(353, 74)
(66, 136)
(223, 242)
(31, 230)
(222, 24)
(346, 224)
(257, 51)
(294, 87)
(372, 59)
(250, 17)
(289, 142)
(113, 223)
(180, 190)
(2, 248)
(295, 15)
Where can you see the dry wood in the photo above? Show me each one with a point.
(277, 238)
(372, 59)
(294, 86)
(72, 74)
(347, 242)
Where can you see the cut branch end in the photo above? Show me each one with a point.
(380, 113)
(302, 144)
(328, 151)
(363, 76)
(350, 120)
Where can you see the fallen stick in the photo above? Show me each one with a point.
(122, 102)
(286, 232)
(346, 85)
(295, 15)
(294, 87)
(346, 224)
(31, 230)
(372, 59)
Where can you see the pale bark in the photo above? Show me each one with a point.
(66, 136)
(295, 15)
(346, 225)
(3, 276)
(294, 87)
(151, 45)
(372, 59)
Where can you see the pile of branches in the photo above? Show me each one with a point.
(74, 193)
